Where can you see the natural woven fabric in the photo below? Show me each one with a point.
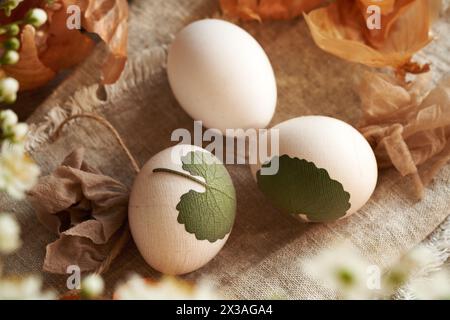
(264, 251)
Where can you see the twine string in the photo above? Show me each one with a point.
(108, 126)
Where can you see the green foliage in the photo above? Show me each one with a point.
(209, 215)
(9, 5)
(300, 187)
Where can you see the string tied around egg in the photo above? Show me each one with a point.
(85, 208)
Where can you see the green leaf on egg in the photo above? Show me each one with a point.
(300, 187)
(209, 215)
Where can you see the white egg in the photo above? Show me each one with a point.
(155, 216)
(220, 75)
(327, 169)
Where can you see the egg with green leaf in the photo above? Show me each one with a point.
(322, 170)
(182, 209)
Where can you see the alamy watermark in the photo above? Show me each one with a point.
(373, 20)
(73, 21)
(237, 146)
(373, 277)
(74, 279)
(263, 144)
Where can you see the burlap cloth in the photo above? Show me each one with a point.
(262, 256)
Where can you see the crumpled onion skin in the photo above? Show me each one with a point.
(341, 29)
(54, 47)
(86, 210)
(29, 71)
(65, 48)
(267, 9)
(407, 124)
(108, 19)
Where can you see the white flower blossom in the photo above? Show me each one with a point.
(92, 286)
(435, 287)
(36, 17)
(399, 274)
(137, 288)
(417, 258)
(29, 288)
(10, 129)
(8, 118)
(9, 234)
(343, 269)
(18, 173)
(8, 94)
(20, 132)
(10, 57)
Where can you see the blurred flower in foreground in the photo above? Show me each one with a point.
(342, 269)
(137, 288)
(435, 287)
(29, 288)
(400, 273)
(10, 130)
(36, 17)
(15, 288)
(10, 45)
(18, 173)
(8, 90)
(10, 57)
(92, 287)
(9, 234)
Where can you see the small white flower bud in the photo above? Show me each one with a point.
(92, 286)
(36, 17)
(7, 117)
(10, 99)
(8, 91)
(9, 234)
(9, 5)
(10, 57)
(20, 131)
